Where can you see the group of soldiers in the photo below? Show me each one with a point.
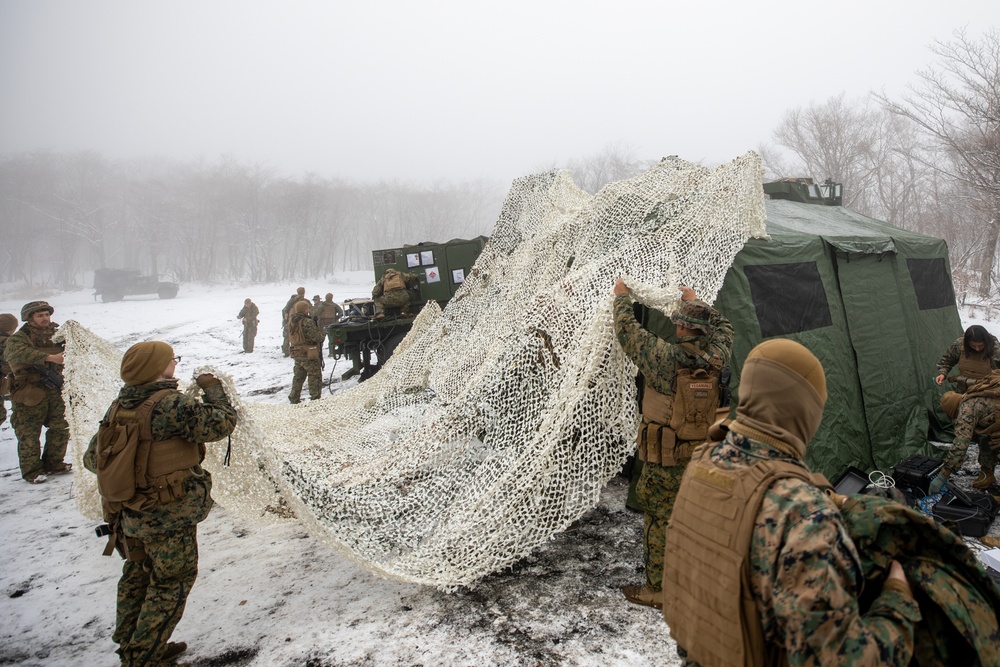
(753, 558)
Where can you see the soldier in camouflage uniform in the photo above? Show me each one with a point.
(249, 314)
(160, 522)
(391, 291)
(286, 315)
(976, 414)
(35, 404)
(326, 313)
(759, 565)
(307, 351)
(704, 341)
(8, 324)
(976, 354)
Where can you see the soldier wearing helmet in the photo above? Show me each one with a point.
(679, 401)
(36, 401)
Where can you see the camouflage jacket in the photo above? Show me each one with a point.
(379, 288)
(287, 310)
(249, 315)
(206, 420)
(951, 356)
(4, 366)
(23, 346)
(959, 603)
(975, 414)
(658, 359)
(310, 333)
(806, 576)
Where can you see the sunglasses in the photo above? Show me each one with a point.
(177, 359)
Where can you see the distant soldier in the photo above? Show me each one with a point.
(286, 314)
(147, 455)
(316, 300)
(391, 292)
(8, 325)
(36, 364)
(307, 351)
(326, 313)
(248, 315)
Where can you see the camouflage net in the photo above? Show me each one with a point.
(497, 421)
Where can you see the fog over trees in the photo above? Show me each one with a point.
(63, 215)
(928, 162)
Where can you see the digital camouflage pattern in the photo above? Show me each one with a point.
(655, 494)
(954, 352)
(306, 368)
(152, 594)
(657, 360)
(23, 348)
(393, 298)
(975, 414)
(249, 315)
(959, 603)
(806, 577)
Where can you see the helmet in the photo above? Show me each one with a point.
(33, 307)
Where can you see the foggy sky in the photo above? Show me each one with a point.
(441, 88)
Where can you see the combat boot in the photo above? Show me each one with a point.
(985, 480)
(643, 596)
(174, 649)
(60, 468)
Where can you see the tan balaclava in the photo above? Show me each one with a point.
(782, 394)
(144, 362)
(7, 323)
(301, 307)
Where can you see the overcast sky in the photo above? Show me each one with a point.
(455, 89)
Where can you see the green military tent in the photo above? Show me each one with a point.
(874, 302)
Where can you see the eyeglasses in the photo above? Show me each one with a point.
(177, 359)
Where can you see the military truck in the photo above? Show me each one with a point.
(115, 284)
(368, 342)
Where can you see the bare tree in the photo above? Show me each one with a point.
(957, 106)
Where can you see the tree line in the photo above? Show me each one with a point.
(63, 215)
(928, 162)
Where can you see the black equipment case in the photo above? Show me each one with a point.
(913, 475)
(968, 514)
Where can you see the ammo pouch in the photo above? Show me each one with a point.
(312, 353)
(25, 391)
(695, 402)
(658, 444)
(298, 352)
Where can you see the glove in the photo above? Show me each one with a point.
(207, 380)
(937, 483)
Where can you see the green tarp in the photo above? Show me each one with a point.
(874, 303)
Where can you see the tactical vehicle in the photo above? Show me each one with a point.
(116, 284)
(368, 342)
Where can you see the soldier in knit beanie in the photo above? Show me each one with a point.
(8, 323)
(145, 362)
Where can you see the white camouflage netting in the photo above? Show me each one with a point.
(497, 421)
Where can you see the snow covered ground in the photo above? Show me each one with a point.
(272, 595)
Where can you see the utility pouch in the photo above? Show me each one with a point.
(298, 353)
(695, 403)
(312, 353)
(129, 548)
(26, 393)
(116, 453)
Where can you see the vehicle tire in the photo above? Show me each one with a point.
(109, 296)
(167, 290)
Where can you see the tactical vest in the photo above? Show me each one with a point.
(970, 370)
(327, 315)
(707, 600)
(133, 470)
(673, 425)
(300, 346)
(393, 281)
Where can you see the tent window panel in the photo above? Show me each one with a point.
(931, 283)
(788, 298)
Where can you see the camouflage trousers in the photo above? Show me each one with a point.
(311, 368)
(152, 596)
(28, 422)
(656, 492)
(249, 334)
(397, 298)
